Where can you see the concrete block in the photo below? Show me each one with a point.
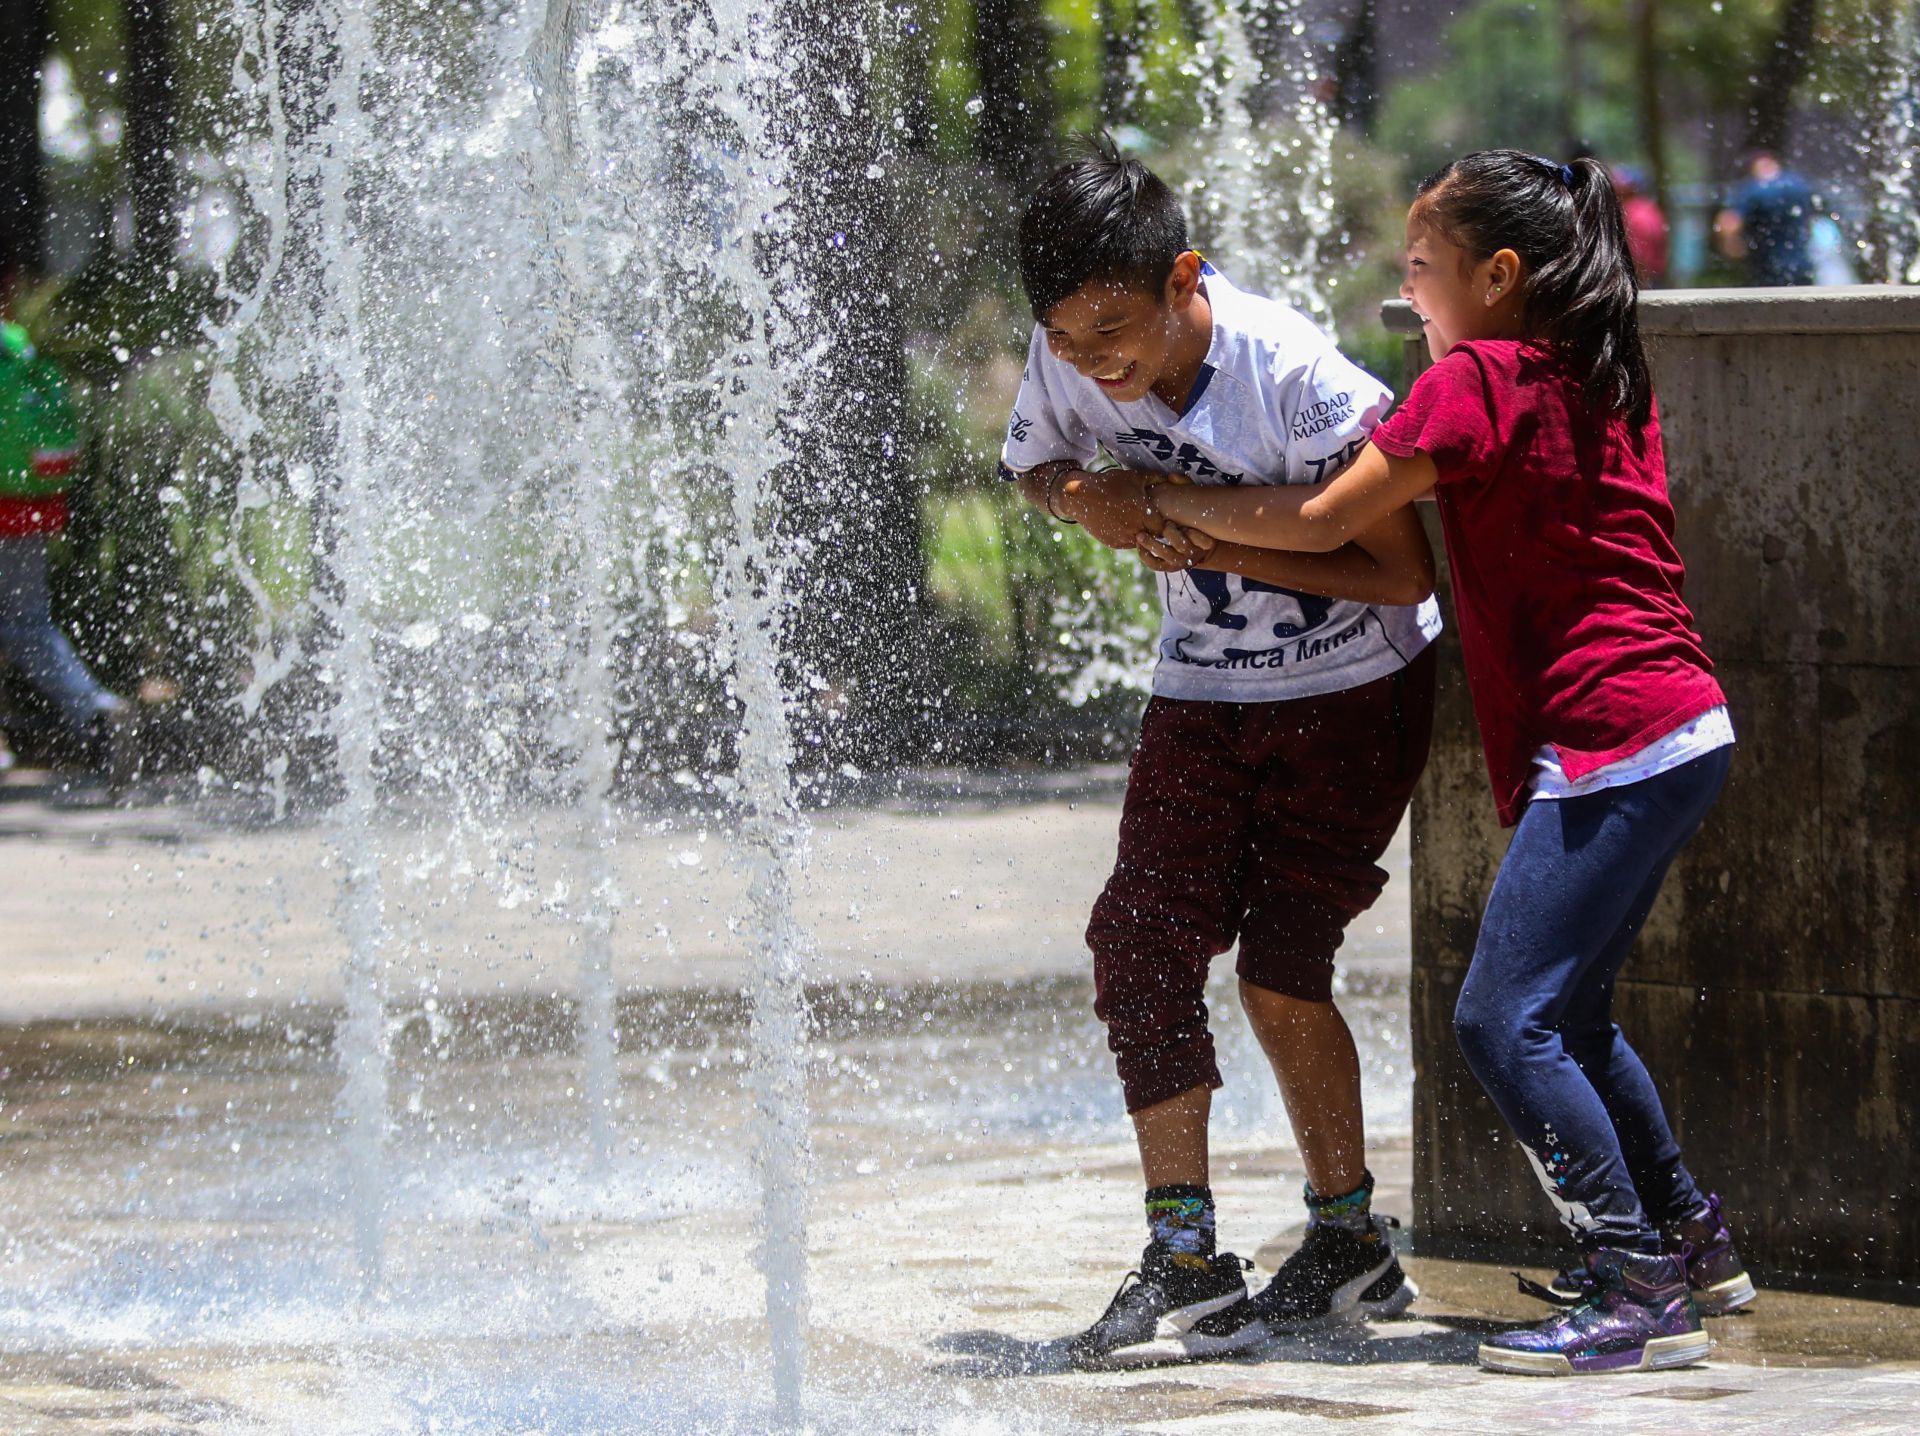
(1789, 460)
(1869, 836)
(1743, 907)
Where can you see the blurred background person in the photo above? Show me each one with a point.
(1647, 229)
(1769, 223)
(39, 451)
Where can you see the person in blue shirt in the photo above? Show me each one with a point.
(1769, 223)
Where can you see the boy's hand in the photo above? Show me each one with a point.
(1111, 505)
(1173, 549)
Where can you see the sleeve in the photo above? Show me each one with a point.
(1043, 427)
(1329, 405)
(1448, 416)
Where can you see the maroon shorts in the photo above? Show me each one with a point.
(1261, 822)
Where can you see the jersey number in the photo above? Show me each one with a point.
(1212, 585)
(1323, 469)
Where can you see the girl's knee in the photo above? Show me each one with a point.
(1487, 1036)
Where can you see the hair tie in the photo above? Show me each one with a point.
(1566, 175)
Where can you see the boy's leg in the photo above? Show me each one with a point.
(1318, 1069)
(38, 648)
(1337, 773)
(1570, 885)
(1172, 1136)
(1172, 904)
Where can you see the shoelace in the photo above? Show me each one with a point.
(1127, 1283)
(1588, 1283)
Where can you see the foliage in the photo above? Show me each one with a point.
(148, 575)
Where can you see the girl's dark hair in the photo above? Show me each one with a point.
(1100, 216)
(1564, 221)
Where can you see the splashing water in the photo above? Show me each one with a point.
(1265, 187)
(515, 342)
(1895, 226)
(753, 593)
(418, 381)
(577, 350)
(357, 716)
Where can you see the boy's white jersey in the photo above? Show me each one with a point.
(1275, 403)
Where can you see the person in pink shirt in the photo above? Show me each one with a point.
(1647, 230)
(1606, 736)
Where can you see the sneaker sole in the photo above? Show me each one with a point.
(1345, 1307)
(1661, 1353)
(1723, 1297)
(1347, 1310)
(1173, 1340)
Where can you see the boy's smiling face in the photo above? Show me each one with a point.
(1130, 340)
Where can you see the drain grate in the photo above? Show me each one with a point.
(1310, 1406)
(1694, 1393)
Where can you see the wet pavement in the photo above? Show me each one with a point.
(175, 1254)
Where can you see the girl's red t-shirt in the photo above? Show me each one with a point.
(1566, 581)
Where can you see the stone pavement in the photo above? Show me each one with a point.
(928, 1287)
(171, 1249)
(140, 908)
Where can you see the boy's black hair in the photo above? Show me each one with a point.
(1565, 222)
(1100, 216)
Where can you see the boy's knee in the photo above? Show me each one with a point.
(1131, 992)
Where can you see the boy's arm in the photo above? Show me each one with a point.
(1390, 563)
(1306, 518)
(1110, 505)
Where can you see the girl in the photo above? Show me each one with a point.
(1606, 736)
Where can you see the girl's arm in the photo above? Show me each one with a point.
(1389, 563)
(1316, 518)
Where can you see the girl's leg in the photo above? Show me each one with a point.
(1572, 893)
(1594, 1040)
(1667, 1189)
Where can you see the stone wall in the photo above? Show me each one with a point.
(1775, 993)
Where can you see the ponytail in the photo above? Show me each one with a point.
(1581, 293)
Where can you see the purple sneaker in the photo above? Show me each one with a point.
(1635, 1314)
(1715, 1272)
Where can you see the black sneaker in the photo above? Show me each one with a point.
(1336, 1276)
(1156, 1306)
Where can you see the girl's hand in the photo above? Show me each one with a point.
(1173, 549)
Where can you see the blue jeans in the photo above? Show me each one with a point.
(1535, 1018)
(32, 644)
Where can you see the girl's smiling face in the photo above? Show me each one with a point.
(1455, 297)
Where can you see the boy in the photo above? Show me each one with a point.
(1291, 712)
(39, 449)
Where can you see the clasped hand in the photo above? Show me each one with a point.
(1113, 507)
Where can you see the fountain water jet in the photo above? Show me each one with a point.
(753, 595)
(357, 717)
(1265, 186)
(389, 179)
(577, 351)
